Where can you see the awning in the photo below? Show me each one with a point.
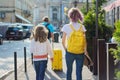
(112, 5)
(22, 18)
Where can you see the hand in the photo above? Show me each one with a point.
(91, 63)
(51, 59)
(86, 53)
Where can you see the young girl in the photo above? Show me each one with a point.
(40, 47)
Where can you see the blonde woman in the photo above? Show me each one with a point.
(74, 15)
(41, 48)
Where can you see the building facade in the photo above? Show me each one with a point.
(32, 11)
(54, 9)
(16, 11)
(112, 9)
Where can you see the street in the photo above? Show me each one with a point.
(7, 54)
(7, 62)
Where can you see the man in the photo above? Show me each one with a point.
(49, 26)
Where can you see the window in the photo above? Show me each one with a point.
(2, 15)
(54, 14)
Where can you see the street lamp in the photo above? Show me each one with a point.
(95, 39)
(75, 3)
(96, 19)
(61, 12)
(87, 5)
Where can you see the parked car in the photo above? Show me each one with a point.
(15, 32)
(1, 39)
(27, 28)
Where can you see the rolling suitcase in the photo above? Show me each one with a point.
(57, 60)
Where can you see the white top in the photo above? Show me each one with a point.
(38, 48)
(67, 29)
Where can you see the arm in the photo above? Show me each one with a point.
(85, 45)
(91, 62)
(64, 40)
(51, 30)
(86, 53)
(49, 50)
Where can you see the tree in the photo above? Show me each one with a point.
(116, 52)
(104, 31)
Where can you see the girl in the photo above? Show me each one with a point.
(74, 15)
(40, 47)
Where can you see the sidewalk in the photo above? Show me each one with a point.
(50, 74)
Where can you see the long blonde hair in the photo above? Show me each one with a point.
(39, 33)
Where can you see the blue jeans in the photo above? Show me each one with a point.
(70, 58)
(40, 67)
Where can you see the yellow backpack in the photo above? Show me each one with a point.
(76, 41)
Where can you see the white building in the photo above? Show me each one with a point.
(54, 9)
(32, 11)
(16, 11)
(112, 8)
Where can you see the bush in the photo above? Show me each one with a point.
(104, 31)
(116, 52)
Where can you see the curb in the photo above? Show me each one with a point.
(6, 75)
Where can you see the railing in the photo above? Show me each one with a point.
(104, 67)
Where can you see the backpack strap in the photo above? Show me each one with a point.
(49, 33)
(47, 25)
(71, 26)
(80, 29)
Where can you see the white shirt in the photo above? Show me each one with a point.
(67, 29)
(38, 48)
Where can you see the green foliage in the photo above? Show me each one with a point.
(84, 10)
(89, 22)
(118, 75)
(116, 35)
(105, 31)
(100, 2)
(116, 52)
(117, 31)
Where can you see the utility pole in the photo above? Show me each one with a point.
(96, 19)
(61, 6)
(75, 3)
(95, 44)
(87, 5)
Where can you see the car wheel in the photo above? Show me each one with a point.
(7, 38)
(1, 41)
(21, 38)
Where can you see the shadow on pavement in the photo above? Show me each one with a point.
(54, 75)
(27, 77)
(61, 74)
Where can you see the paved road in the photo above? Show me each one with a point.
(7, 54)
